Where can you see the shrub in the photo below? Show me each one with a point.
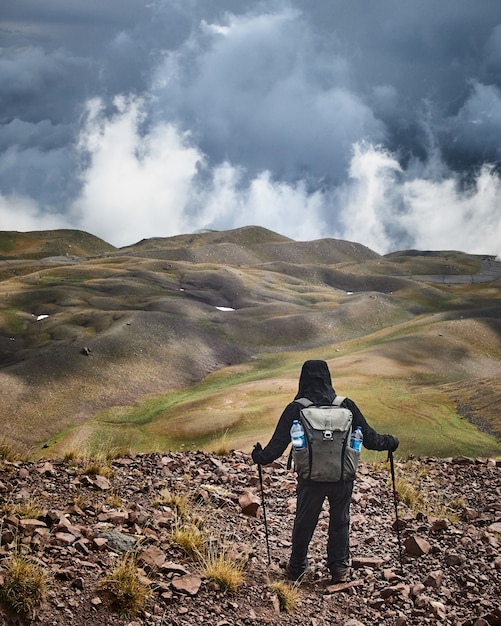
(98, 468)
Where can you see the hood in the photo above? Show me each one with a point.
(315, 383)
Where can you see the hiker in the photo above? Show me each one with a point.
(316, 386)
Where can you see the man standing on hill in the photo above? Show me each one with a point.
(315, 385)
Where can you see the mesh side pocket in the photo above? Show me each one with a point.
(351, 459)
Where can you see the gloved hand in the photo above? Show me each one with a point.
(256, 453)
(393, 443)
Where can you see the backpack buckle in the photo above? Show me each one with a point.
(328, 436)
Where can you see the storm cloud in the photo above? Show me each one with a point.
(374, 122)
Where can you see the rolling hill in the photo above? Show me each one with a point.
(196, 340)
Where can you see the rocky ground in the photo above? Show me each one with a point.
(76, 524)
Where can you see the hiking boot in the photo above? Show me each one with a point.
(293, 575)
(340, 575)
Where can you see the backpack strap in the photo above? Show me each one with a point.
(338, 401)
(304, 402)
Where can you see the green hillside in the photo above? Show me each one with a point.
(196, 341)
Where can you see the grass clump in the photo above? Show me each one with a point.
(288, 595)
(189, 537)
(27, 510)
(7, 451)
(179, 503)
(220, 565)
(129, 589)
(97, 468)
(422, 497)
(25, 586)
(219, 561)
(223, 445)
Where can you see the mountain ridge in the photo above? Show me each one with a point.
(114, 328)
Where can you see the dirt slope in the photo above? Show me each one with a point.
(103, 328)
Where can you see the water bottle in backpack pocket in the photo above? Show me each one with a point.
(356, 439)
(297, 436)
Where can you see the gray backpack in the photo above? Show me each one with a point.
(327, 456)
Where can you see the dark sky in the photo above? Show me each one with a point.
(377, 122)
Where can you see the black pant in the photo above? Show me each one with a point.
(310, 498)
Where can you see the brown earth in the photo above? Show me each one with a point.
(447, 572)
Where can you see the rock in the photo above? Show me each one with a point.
(434, 579)
(29, 525)
(249, 503)
(118, 541)
(438, 609)
(417, 546)
(174, 568)
(470, 514)
(367, 561)
(344, 586)
(47, 469)
(453, 559)
(100, 542)
(101, 482)
(439, 524)
(65, 538)
(189, 584)
(495, 528)
(152, 557)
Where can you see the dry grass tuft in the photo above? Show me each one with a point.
(189, 537)
(223, 445)
(178, 502)
(423, 498)
(220, 565)
(29, 509)
(288, 595)
(25, 586)
(97, 468)
(128, 587)
(8, 452)
(220, 561)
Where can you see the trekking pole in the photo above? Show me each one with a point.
(395, 501)
(264, 512)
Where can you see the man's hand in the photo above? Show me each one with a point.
(256, 453)
(393, 443)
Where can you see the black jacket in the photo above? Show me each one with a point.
(315, 385)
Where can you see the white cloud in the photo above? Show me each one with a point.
(22, 213)
(367, 202)
(441, 215)
(382, 201)
(136, 184)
